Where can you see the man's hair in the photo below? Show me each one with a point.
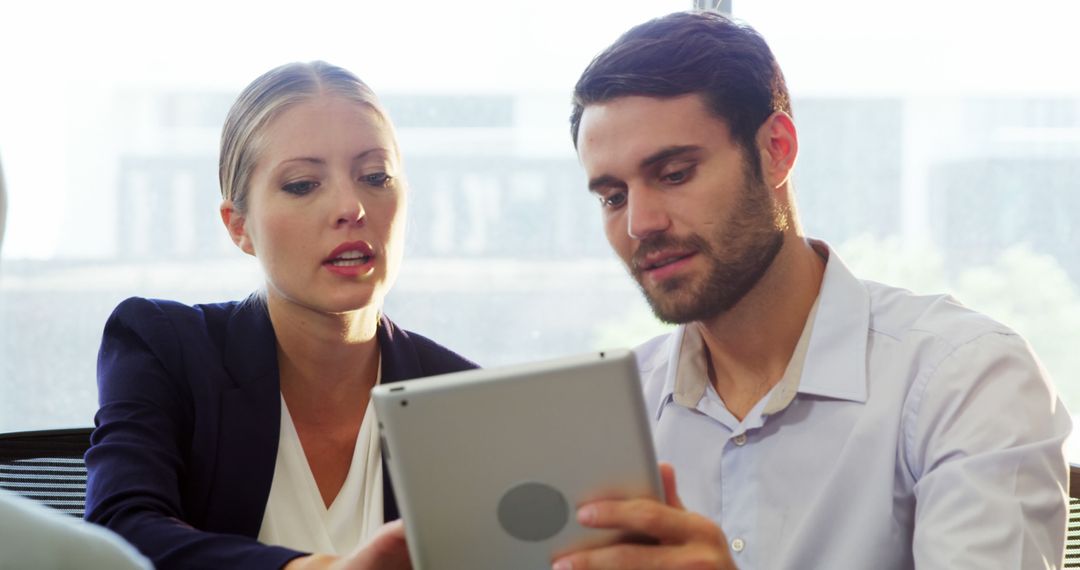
(728, 63)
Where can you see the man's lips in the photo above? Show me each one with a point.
(654, 261)
(660, 267)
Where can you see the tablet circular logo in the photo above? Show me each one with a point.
(533, 511)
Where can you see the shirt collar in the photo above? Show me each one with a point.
(835, 364)
(784, 392)
(829, 357)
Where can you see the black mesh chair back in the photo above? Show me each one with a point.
(1072, 536)
(46, 466)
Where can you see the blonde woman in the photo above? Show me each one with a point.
(240, 434)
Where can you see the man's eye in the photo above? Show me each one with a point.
(613, 201)
(301, 187)
(677, 177)
(379, 179)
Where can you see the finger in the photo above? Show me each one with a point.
(385, 550)
(646, 517)
(640, 557)
(667, 477)
(620, 557)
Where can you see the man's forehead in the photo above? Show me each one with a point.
(632, 128)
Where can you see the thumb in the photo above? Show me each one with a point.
(667, 478)
(386, 549)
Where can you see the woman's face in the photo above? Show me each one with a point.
(326, 206)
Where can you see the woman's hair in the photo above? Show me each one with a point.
(267, 98)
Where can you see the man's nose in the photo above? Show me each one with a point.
(646, 213)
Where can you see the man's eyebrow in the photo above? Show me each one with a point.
(605, 181)
(667, 153)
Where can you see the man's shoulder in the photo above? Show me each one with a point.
(32, 536)
(654, 361)
(904, 316)
(656, 351)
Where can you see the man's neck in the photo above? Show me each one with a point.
(749, 347)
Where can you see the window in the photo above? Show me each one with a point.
(940, 150)
(109, 148)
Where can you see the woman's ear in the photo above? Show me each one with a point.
(778, 144)
(234, 222)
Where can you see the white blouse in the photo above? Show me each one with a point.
(296, 516)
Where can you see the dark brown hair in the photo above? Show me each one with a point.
(728, 63)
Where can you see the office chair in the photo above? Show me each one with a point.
(1072, 535)
(46, 466)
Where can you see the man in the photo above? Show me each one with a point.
(814, 420)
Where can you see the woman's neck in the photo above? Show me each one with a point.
(324, 357)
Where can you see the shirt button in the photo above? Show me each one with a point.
(739, 440)
(738, 545)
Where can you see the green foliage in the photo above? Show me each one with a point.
(1026, 290)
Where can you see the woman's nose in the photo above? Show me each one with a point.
(348, 207)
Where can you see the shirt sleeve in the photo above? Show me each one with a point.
(986, 448)
(136, 461)
(33, 536)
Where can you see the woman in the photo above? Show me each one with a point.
(240, 434)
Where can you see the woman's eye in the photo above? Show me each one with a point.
(613, 201)
(379, 179)
(300, 187)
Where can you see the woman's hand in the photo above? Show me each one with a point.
(386, 550)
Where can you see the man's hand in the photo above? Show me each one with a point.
(386, 550)
(685, 540)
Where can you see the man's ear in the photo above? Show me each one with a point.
(778, 145)
(234, 222)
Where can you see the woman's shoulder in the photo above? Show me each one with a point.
(143, 308)
(433, 357)
(148, 317)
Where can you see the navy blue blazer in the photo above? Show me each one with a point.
(183, 454)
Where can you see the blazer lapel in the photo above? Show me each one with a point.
(251, 415)
(399, 362)
(250, 419)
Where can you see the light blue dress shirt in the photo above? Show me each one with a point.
(35, 537)
(919, 434)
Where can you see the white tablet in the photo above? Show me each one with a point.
(489, 466)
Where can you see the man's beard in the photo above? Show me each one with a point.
(738, 254)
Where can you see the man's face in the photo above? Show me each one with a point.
(690, 217)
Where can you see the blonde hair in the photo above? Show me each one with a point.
(268, 97)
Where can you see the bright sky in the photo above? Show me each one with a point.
(64, 61)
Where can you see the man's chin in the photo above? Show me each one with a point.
(674, 308)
